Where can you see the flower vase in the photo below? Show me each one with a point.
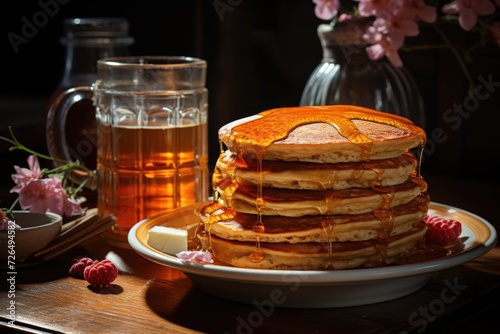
(346, 75)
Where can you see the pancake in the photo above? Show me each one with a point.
(320, 228)
(296, 203)
(316, 176)
(328, 187)
(330, 134)
(313, 255)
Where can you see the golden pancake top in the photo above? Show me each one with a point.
(339, 133)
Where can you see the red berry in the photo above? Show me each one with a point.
(441, 231)
(101, 273)
(78, 265)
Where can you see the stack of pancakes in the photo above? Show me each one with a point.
(316, 188)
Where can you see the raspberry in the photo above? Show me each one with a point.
(442, 231)
(101, 273)
(78, 265)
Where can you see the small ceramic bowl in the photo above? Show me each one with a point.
(37, 231)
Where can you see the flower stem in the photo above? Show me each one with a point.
(18, 146)
(63, 168)
(66, 167)
(13, 205)
(461, 62)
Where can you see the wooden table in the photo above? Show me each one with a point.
(149, 298)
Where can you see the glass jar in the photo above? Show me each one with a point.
(86, 40)
(346, 75)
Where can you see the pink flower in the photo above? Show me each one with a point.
(24, 175)
(383, 45)
(396, 25)
(42, 195)
(47, 195)
(421, 11)
(394, 19)
(346, 17)
(196, 256)
(326, 9)
(371, 7)
(71, 207)
(468, 11)
(6, 223)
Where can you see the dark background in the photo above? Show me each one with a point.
(260, 54)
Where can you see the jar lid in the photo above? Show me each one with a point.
(96, 30)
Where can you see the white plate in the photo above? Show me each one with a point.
(315, 289)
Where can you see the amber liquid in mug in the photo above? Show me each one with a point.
(147, 170)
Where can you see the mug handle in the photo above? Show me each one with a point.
(55, 132)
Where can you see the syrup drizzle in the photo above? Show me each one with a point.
(259, 228)
(328, 226)
(275, 125)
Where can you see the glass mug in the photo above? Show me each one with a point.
(152, 136)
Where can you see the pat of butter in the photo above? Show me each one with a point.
(167, 239)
